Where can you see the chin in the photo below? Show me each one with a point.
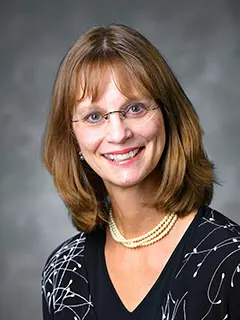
(125, 181)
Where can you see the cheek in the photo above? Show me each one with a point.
(154, 130)
(87, 141)
(159, 129)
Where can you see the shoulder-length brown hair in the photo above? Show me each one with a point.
(186, 179)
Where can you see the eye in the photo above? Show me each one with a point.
(94, 117)
(136, 110)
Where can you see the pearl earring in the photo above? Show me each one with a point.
(81, 155)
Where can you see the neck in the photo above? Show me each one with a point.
(130, 215)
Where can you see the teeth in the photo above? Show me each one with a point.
(121, 157)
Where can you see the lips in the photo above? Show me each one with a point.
(122, 155)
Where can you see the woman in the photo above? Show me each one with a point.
(124, 146)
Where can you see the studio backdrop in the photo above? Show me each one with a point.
(201, 42)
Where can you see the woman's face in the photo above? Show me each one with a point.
(121, 152)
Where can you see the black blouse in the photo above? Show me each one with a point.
(200, 281)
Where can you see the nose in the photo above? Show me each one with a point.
(117, 131)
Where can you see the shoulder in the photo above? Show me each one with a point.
(214, 249)
(217, 224)
(70, 251)
(216, 235)
(210, 269)
(64, 274)
(67, 250)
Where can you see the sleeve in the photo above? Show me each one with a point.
(47, 289)
(47, 284)
(234, 296)
(64, 280)
(46, 315)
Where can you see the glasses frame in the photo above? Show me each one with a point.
(123, 113)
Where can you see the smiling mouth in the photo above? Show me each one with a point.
(123, 156)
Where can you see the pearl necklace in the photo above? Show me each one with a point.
(152, 236)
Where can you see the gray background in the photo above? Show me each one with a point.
(201, 42)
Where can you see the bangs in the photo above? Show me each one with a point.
(94, 75)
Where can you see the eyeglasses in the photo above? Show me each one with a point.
(133, 114)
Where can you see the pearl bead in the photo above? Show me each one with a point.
(152, 236)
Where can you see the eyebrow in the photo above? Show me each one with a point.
(92, 107)
(126, 103)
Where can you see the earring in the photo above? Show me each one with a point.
(81, 155)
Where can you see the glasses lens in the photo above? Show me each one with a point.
(133, 116)
(140, 115)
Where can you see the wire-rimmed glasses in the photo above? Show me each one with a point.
(136, 113)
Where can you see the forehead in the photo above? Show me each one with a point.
(96, 81)
(111, 95)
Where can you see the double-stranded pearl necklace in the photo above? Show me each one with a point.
(152, 236)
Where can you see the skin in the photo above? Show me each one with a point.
(117, 136)
(126, 182)
(132, 272)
